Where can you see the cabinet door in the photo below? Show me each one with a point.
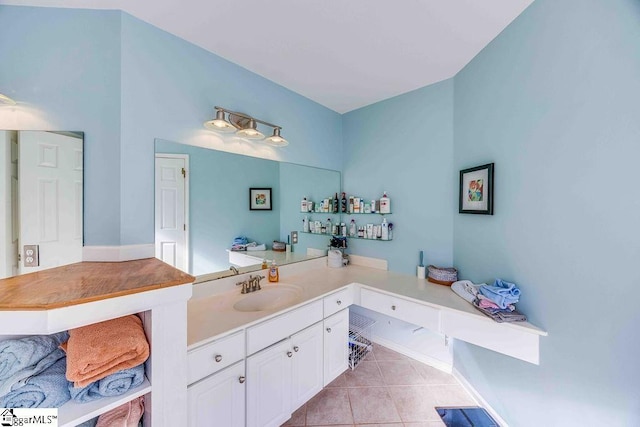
(306, 365)
(218, 399)
(269, 386)
(336, 345)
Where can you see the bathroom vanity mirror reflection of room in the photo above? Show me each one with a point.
(41, 189)
(199, 215)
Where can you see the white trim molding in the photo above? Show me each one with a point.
(117, 253)
(478, 397)
(363, 261)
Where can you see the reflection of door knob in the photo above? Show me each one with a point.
(338, 302)
(289, 354)
(218, 358)
(329, 330)
(242, 380)
(296, 348)
(393, 307)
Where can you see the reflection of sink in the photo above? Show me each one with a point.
(269, 298)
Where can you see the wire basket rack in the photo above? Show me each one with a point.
(360, 344)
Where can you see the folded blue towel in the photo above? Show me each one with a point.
(112, 385)
(21, 375)
(22, 353)
(48, 389)
(241, 240)
(501, 292)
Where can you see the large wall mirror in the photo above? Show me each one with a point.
(41, 188)
(203, 204)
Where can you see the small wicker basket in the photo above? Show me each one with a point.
(442, 276)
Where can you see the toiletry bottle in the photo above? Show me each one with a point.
(353, 232)
(373, 206)
(350, 204)
(384, 235)
(303, 205)
(305, 224)
(343, 203)
(343, 229)
(329, 229)
(385, 204)
(264, 264)
(274, 275)
(336, 202)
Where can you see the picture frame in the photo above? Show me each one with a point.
(260, 199)
(476, 190)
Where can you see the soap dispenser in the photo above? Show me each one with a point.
(274, 275)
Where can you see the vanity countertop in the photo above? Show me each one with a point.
(86, 282)
(212, 316)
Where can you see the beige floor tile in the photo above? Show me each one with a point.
(383, 353)
(415, 403)
(338, 382)
(329, 407)
(400, 372)
(381, 425)
(365, 374)
(453, 395)
(426, 424)
(372, 405)
(432, 375)
(299, 418)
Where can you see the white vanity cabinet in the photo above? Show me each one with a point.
(400, 308)
(336, 345)
(281, 378)
(218, 399)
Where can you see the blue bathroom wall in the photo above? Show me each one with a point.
(63, 68)
(219, 184)
(404, 145)
(553, 101)
(124, 82)
(169, 88)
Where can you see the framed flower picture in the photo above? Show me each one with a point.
(476, 190)
(260, 199)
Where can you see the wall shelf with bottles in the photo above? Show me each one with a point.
(348, 237)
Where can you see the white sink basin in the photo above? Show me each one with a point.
(269, 298)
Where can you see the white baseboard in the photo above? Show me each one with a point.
(472, 391)
(117, 253)
(431, 361)
(380, 264)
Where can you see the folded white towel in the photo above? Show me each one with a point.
(466, 289)
(261, 247)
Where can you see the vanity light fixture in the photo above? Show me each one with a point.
(4, 99)
(219, 124)
(245, 126)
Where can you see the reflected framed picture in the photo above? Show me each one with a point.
(260, 199)
(476, 190)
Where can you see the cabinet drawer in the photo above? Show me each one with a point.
(337, 301)
(283, 326)
(212, 357)
(409, 311)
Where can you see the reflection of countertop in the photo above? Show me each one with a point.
(281, 258)
(212, 316)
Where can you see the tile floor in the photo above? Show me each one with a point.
(386, 389)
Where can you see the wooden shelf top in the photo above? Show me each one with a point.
(87, 282)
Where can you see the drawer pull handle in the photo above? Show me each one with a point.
(393, 307)
(289, 354)
(241, 380)
(338, 302)
(218, 358)
(296, 348)
(329, 330)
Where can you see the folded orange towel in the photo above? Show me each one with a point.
(127, 415)
(99, 350)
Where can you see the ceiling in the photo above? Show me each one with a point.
(341, 54)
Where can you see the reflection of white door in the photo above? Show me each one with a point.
(171, 209)
(8, 203)
(50, 178)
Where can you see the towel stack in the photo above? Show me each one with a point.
(127, 415)
(496, 301)
(106, 358)
(32, 372)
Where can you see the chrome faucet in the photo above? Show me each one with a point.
(234, 269)
(245, 286)
(254, 283)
